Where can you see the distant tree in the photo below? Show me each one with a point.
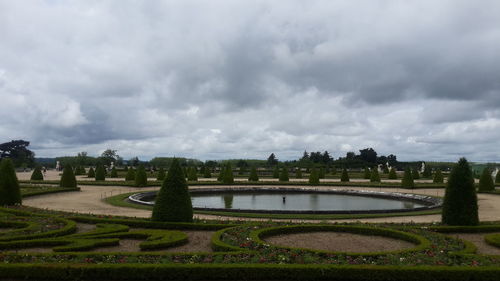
(173, 202)
(486, 181)
(392, 159)
(272, 160)
(407, 181)
(284, 174)
(192, 174)
(241, 164)
(37, 174)
(326, 158)
(385, 169)
(108, 156)
(438, 177)
(10, 192)
(276, 173)
(68, 178)
(350, 155)
(460, 200)
(91, 173)
(114, 173)
(345, 176)
(253, 175)
(415, 174)
(374, 177)
(206, 173)
(334, 170)
(427, 172)
(130, 175)
(392, 174)
(100, 173)
(242, 170)
(305, 156)
(228, 175)
(298, 173)
(18, 152)
(161, 174)
(141, 178)
(134, 161)
(367, 174)
(368, 155)
(314, 177)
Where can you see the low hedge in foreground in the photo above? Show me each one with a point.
(493, 239)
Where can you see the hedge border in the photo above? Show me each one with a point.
(493, 239)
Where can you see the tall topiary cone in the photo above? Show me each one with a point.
(345, 176)
(284, 174)
(10, 193)
(192, 174)
(438, 177)
(334, 170)
(253, 175)
(220, 176)
(91, 173)
(298, 173)
(207, 173)
(114, 173)
(100, 174)
(486, 181)
(141, 178)
(460, 199)
(276, 173)
(427, 172)
(228, 175)
(173, 202)
(367, 175)
(407, 181)
(68, 178)
(37, 174)
(161, 174)
(321, 173)
(497, 177)
(374, 177)
(130, 175)
(392, 174)
(415, 174)
(314, 177)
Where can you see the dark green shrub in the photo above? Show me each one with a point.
(314, 177)
(385, 169)
(37, 174)
(284, 174)
(206, 173)
(114, 173)
(460, 200)
(130, 175)
(100, 173)
(497, 177)
(345, 176)
(192, 174)
(68, 178)
(141, 178)
(161, 174)
(415, 174)
(367, 174)
(91, 173)
(438, 177)
(298, 173)
(242, 171)
(392, 174)
(173, 202)
(407, 181)
(10, 193)
(276, 173)
(220, 176)
(321, 173)
(334, 170)
(427, 172)
(253, 175)
(374, 177)
(228, 175)
(125, 169)
(486, 181)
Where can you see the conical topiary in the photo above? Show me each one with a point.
(220, 176)
(68, 178)
(334, 170)
(37, 174)
(345, 176)
(276, 173)
(374, 177)
(100, 173)
(284, 174)
(253, 175)
(427, 172)
(242, 171)
(228, 175)
(173, 202)
(10, 193)
(438, 177)
(314, 177)
(161, 174)
(207, 174)
(497, 177)
(298, 173)
(385, 169)
(486, 181)
(321, 173)
(392, 174)
(407, 181)
(367, 174)
(91, 173)
(141, 178)
(415, 174)
(130, 175)
(192, 174)
(460, 199)
(114, 173)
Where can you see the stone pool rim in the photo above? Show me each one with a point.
(430, 202)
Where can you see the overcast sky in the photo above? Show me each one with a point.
(241, 79)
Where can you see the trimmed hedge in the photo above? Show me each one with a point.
(37, 174)
(68, 178)
(493, 239)
(141, 178)
(100, 173)
(10, 192)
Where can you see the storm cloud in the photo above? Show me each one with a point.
(242, 79)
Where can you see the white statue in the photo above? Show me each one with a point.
(495, 172)
(112, 165)
(422, 168)
(58, 166)
(380, 168)
(388, 166)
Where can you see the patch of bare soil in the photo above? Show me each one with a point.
(84, 227)
(199, 241)
(339, 242)
(478, 240)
